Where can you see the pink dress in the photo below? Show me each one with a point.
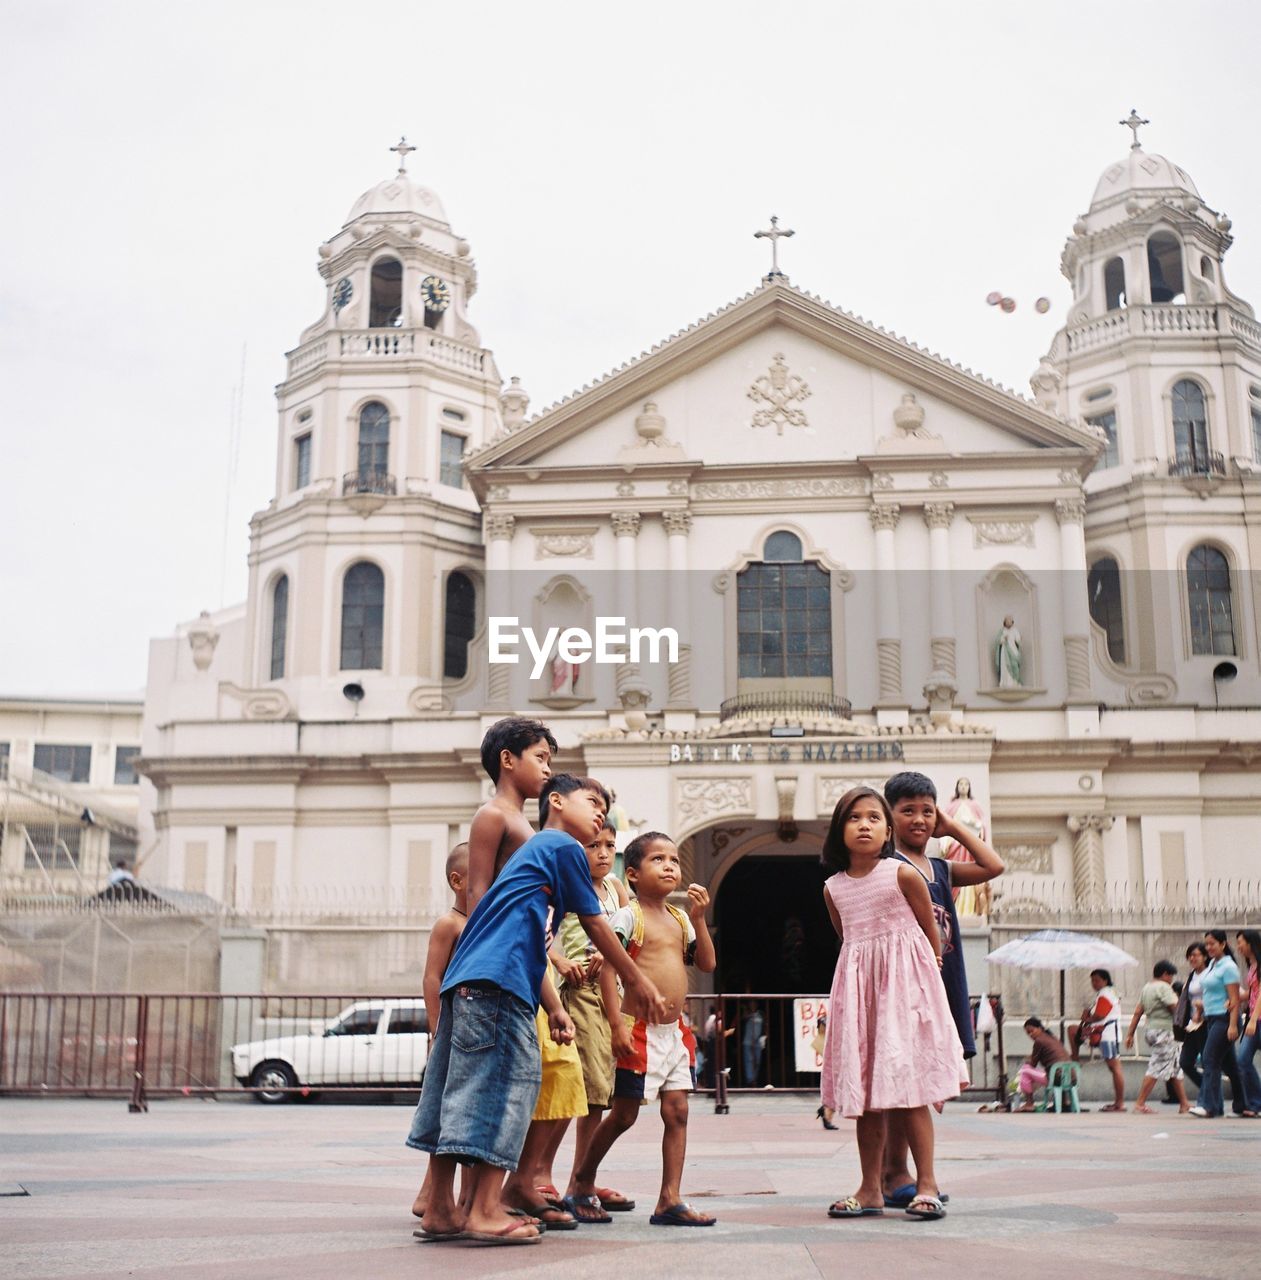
(891, 1041)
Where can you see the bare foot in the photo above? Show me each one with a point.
(441, 1224)
(1141, 1109)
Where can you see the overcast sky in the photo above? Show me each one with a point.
(171, 168)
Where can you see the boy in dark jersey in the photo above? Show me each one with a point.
(916, 820)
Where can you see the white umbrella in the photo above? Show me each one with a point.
(1063, 950)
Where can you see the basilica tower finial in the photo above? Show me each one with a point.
(1134, 122)
(404, 149)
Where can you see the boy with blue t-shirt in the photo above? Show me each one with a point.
(483, 1074)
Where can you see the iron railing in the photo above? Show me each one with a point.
(1207, 463)
(788, 704)
(368, 480)
(282, 1047)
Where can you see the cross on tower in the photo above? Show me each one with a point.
(404, 149)
(773, 235)
(1134, 122)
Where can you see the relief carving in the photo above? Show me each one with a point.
(698, 799)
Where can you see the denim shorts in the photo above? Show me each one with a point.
(1109, 1049)
(481, 1080)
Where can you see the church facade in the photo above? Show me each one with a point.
(846, 556)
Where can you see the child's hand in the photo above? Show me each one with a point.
(620, 1036)
(658, 1006)
(595, 962)
(698, 900)
(570, 971)
(561, 1026)
(944, 826)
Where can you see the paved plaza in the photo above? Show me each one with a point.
(200, 1188)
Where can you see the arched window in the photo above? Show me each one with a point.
(1114, 283)
(385, 305)
(1206, 266)
(374, 446)
(784, 614)
(1208, 597)
(279, 626)
(460, 623)
(1190, 426)
(1103, 585)
(363, 617)
(1164, 268)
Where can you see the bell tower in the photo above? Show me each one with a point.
(372, 533)
(1165, 362)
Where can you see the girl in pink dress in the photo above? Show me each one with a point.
(891, 1042)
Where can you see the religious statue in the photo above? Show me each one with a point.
(564, 678)
(1007, 659)
(970, 900)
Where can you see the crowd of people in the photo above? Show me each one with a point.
(1200, 1029)
(556, 993)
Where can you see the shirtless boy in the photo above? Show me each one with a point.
(442, 939)
(655, 1058)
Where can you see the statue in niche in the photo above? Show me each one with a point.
(564, 678)
(1007, 658)
(966, 810)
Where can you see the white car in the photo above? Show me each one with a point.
(370, 1044)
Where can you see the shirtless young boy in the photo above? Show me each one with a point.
(655, 1058)
(442, 939)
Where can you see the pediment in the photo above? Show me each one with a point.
(780, 376)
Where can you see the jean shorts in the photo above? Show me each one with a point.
(481, 1080)
(1109, 1049)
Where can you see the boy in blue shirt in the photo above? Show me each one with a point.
(484, 1069)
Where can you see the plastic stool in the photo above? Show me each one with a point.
(1062, 1080)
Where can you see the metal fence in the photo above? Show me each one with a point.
(295, 1046)
(1151, 922)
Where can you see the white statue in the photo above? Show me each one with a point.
(966, 810)
(1007, 659)
(564, 678)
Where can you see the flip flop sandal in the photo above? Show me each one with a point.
(525, 1217)
(933, 1209)
(505, 1236)
(903, 1196)
(586, 1209)
(614, 1201)
(677, 1215)
(540, 1211)
(850, 1208)
(436, 1237)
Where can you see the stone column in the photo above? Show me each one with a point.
(1071, 514)
(626, 533)
(884, 520)
(937, 516)
(498, 531)
(1089, 884)
(678, 524)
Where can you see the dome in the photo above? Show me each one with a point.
(399, 196)
(1145, 174)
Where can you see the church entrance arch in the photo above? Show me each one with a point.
(774, 934)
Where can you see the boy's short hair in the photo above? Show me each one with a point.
(1164, 968)
(909, 785)
(565, 784)
(513, 734)
(593, 784)
(1034, 1022)
(457, 855)
(640, 845)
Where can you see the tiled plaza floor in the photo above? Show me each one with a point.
(233, 1189)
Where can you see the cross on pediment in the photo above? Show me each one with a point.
(774, 235)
